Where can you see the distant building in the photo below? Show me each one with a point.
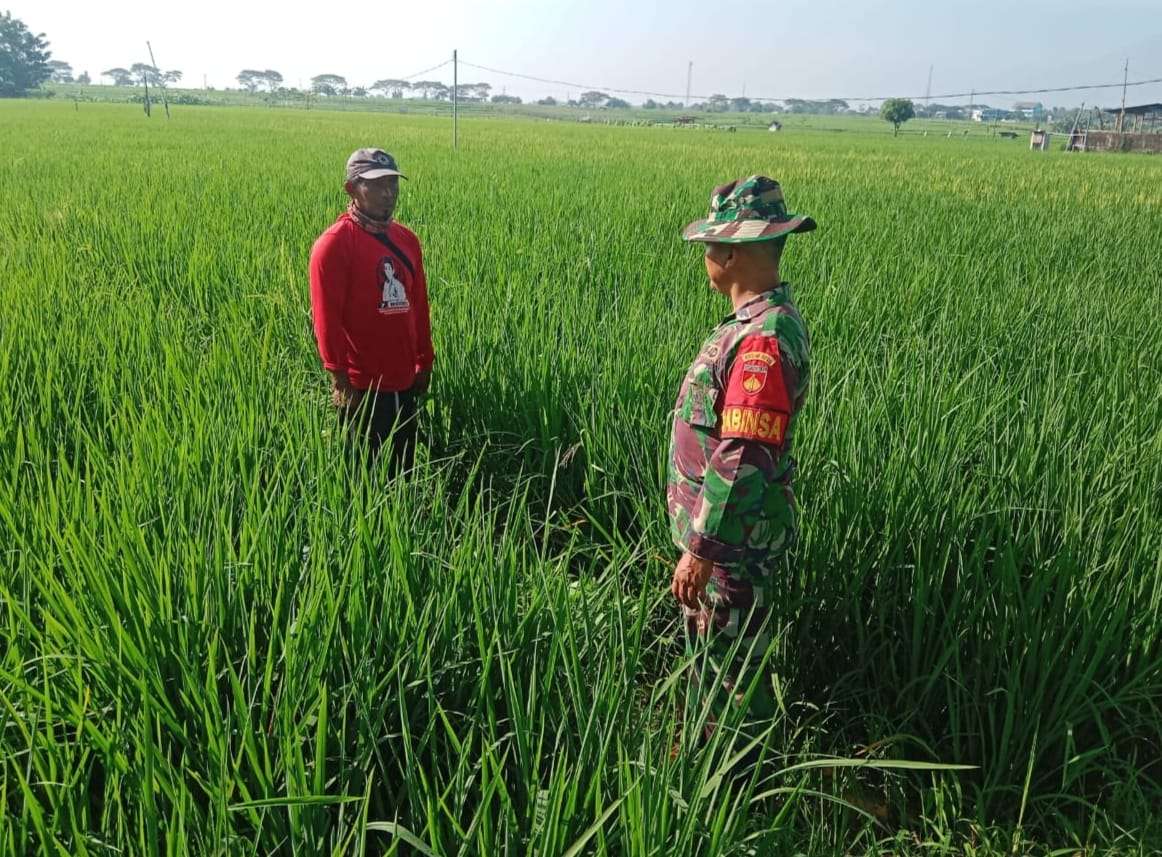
(988, 114)
(1139, 117)
(1029, 110)
(1136, 128)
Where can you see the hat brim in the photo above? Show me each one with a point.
(379, 173)
(745, 231)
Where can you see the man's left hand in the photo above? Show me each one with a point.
(690, 577)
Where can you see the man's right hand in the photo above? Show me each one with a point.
(688, 584)
(347, 399)
(343, 395)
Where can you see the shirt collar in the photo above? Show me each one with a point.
(762, 303)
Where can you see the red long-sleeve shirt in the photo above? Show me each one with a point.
(370, 305)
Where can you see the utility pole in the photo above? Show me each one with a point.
(153, 62)
(928, 88)
(689, 77)
(971, 103)
(455, 103)
(145, 83)
(1122, 113)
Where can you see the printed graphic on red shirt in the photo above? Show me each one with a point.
(756, 405)
(393, 298)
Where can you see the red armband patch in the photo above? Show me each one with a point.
(756, 405)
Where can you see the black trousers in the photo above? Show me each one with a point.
(385, 418)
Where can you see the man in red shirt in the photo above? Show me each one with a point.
(369, 299)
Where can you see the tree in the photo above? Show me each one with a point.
(718, 103)
(272, 79)
(84, 79)
(505, 99)
(145, 72)
(617, 103)
(592, 98)
(171, 76)
(359, 92)
(250, 78)
(548, 101)
(427, 88)
(897, 111)
(120, 76)
(23, 57)
(473, 91)
(328, 84)
(650, 104)
(60, 72)
(390, 87)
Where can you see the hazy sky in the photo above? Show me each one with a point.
(794, 48)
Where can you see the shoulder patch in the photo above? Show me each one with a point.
(756, 405)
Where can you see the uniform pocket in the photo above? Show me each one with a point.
(697, 405)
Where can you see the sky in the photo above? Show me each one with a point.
(790, 49)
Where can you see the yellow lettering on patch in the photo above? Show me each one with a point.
(761, 356)
(753, 424)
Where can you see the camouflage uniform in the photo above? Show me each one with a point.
(730, 468)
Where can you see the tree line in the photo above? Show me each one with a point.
(139, 73)
(271, 81)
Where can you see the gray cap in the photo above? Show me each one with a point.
(371, 164)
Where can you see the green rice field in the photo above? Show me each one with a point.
(219, 636)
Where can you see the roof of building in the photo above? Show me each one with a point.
(1137, 109)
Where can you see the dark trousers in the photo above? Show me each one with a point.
(385, 418)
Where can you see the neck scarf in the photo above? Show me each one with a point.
(368, 223)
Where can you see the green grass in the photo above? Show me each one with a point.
(217, 637)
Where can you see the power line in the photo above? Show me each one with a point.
(577, 85)
(427, 70)
(971, 94)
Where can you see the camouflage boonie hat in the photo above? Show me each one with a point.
(750, 209)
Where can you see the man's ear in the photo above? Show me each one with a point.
(349, 186)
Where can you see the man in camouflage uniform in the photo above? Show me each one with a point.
(730, 469)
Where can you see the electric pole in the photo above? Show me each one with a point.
(145, 83)
(928, 88)
(689, 77)
(1122, 114)
(455, 103)
(164, 98)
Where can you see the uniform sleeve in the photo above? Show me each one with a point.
(329, 287)
(424, 353)
(756, 409)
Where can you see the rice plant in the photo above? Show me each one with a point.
(220, 635)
